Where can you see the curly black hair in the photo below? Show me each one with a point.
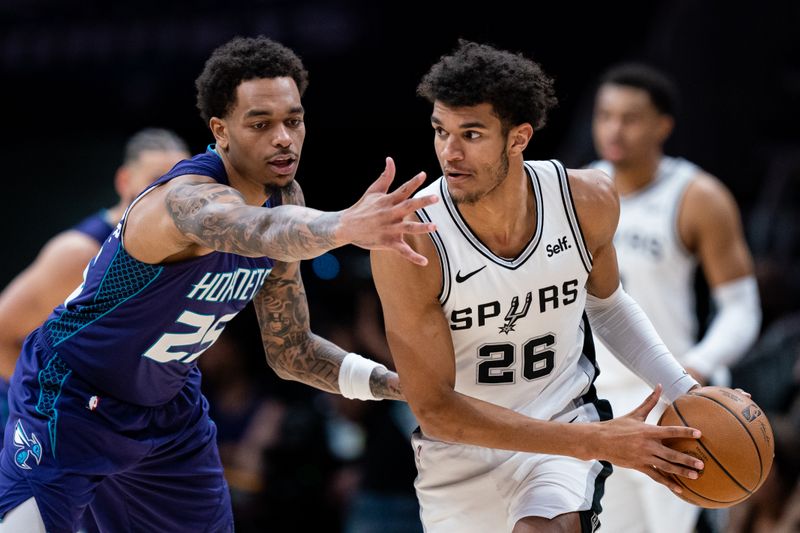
(516, 87)
(662, 90)
(242, 59)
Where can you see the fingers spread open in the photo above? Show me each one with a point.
(408, 253)
(408, 188)
(647, 405)
(385, 179)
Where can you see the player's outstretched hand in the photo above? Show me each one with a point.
(377, 220)
(631, 443)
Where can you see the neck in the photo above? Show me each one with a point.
(505, 219)
(253, 192)
(631, 177)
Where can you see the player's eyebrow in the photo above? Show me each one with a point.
(463, 125)
(265, 112)
(257, 113)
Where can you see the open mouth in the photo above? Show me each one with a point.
(283, 165)
(456, 175)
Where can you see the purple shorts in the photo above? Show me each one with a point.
(73, 447)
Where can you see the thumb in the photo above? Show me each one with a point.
(381, 185)
(647, 405)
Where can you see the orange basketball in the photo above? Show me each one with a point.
(736, 446)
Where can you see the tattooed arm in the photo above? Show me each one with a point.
(193, 215)
(293, 351)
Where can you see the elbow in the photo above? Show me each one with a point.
(437, 420)
(281, 364)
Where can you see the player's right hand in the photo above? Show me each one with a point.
(378, 219)
(629, 442)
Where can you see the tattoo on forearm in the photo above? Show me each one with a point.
(291, 349)
(385, 384)
(217, 217)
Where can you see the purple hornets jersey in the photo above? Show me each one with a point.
(135, 330)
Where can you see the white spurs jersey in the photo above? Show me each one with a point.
(655, 268)
(517, 324)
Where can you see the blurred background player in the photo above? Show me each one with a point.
(674, 217)
(31, 296)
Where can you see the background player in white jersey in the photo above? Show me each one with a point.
(673, 216)
(490, 339)
(58, 269)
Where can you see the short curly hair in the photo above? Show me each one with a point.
(659, 86)
(516, 87)
(242, 59)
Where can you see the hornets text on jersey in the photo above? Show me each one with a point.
(134, 330)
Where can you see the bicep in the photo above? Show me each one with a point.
(711, 224)
(597, 208)
(416, 329)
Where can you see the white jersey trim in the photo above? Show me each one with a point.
(441, 252)
(569, 208)
(476, 243)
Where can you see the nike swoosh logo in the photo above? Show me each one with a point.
(574, 419)
(460, 278)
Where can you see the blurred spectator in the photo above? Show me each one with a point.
(384, 500)
(272, 437)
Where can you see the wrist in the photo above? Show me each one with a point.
(341, 231)
(355, 377)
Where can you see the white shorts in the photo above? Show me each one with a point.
(463, 489)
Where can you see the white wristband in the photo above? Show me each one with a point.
(354, 377)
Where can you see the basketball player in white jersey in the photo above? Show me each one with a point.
(490, 339)
(673, 216)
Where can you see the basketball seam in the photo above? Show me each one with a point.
(678, 412)
(746, 430)
(684, 485)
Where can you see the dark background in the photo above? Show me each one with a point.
(79, 77)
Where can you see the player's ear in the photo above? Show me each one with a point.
(121, 180)
(665, 126)
(519, 137)
(220, 132)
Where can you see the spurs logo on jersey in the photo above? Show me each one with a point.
(513, 314)
(550, 297)
(519, 328)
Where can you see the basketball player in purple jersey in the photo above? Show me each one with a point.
(105, 404)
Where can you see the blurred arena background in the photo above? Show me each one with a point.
(78, 78)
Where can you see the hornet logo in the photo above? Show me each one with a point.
(26, 447)
(513, 315)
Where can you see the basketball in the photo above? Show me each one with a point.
(736, 445)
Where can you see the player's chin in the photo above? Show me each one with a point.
(280, 182)
(614, 155)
